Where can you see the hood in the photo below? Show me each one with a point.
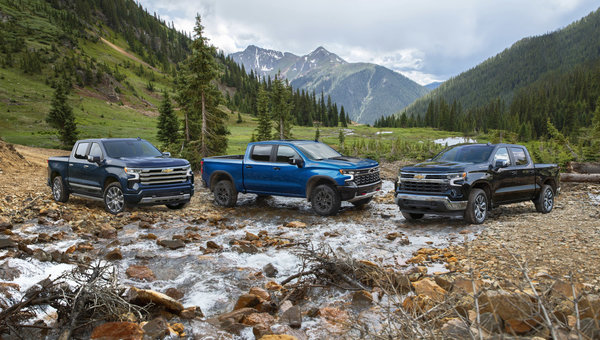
(154, 162)
(345, 162)
(433, 167)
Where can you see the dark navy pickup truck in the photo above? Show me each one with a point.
(121, 172)
(470, 179)
(307, 169)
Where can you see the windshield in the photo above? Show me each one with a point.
(465, 154)
(130, 149)
(318, 151)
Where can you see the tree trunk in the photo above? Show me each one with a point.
(281, 136)
(204, 128)
(187, 130)
(584, 168)
(589, 178)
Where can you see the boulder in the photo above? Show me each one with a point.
(213, 245)
(269, 270)
(507, 305)
(261, 293)
(157, 328)
(141, 273)
(191, 313)
(261, 323)
(292, 316)
(246, 247)
(114, 255)
(7, 243)
(236, 315)
(106, 231)
(463, 285)
(489, 322)
(118, 331)
(273, 286)
(456, 329)
(247, 300)
(563, 289)
(362, 299)
(174, 293)
(171, 244)
(145, 296)
(513, 326)
(250, 237)
(8, 273)
(430, 289)
(295, 224)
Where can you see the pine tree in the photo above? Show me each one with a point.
(205, 131)
(61, 116)
(263, 130)
(317, 134)
(281, 107)
(341, 139)
(343, 117)
(168, 124)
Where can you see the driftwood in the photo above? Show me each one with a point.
(584, 168)
(586, 178)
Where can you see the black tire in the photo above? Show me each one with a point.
(362, 202)
(177, 206)
(325, 200)
(59, 191)
(477, 207)
(412, 216)
(545, 201)
(225, 194)
(114, 200)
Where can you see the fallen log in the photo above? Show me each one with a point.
(584, 168)
(585, 178)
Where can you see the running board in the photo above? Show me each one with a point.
(89, 197)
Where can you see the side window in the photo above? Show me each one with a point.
(284, 153)
(261, 153)
(520, 156)
(501, 154)
(96, 150)
(81, 149)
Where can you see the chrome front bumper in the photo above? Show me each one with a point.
(450, 205)
(164, 199)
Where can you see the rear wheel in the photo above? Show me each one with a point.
(59, 191)
(477, 208)
(412, 216)
(114, 200)
(225, 194)
(362, 202)
(325, 200)
(545, 201)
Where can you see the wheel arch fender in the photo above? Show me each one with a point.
(218, 175)
(318, 180)
(485, 186)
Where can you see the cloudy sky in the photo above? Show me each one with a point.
(426, 40)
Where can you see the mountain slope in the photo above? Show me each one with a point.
(519, 66)
(367, 91)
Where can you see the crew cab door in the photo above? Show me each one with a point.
(523, 173)
(94, 172)
(287, 178)
(502, 179)
(258, 169)
(77, 161)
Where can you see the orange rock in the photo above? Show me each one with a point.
(261, 293)
(334, 315)
(177, 327)
(295, 224)
(466, 285)
(278, 337)
(118, 331)
(246, 300)
(417, 304)
(417, 259)
(273, 286)
(513, 326)
(142, 273)
(71, 249)
(430, 289)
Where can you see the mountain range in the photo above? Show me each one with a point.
(367, 91)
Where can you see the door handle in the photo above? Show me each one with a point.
(86, 166)
(70, 164)
(248, 166)
(276, 168)
(513, 173)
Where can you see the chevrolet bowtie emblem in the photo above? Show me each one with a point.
(167, 170)
(419, 176)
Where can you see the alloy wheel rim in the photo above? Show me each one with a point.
(548, 199)
(56, 191)
(324, 201)
(222, 195)
(480, 208)
(114, 199)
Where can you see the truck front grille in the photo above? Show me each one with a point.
(423, 186)
(367, 176)
(163, 176)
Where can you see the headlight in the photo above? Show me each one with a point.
(399, 179)
(189, 172)
(457, 179)
(135, 172)
(348, 173)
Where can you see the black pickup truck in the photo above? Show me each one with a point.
(470, 179)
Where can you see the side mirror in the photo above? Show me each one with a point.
(501, 163)
(93, 159)
(166, 154)
(295, 161)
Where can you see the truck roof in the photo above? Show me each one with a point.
(290, 141)
(488, 144)
(107, 139)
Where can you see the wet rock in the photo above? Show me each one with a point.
(278, 337)
(171, 244)
(246, 300)
(336, 318)
(295, 224)
(144, 225)
(24, 248)
(285, 305)
(213, 245)
(430, 289)
(157, 328)
(191, 313)
(145, 296)
(178, 328)
(144, 254)
(443, 282)
(8, 273)
(261, 293)
(4, 225)
(246, 247)
(512, 326)
(362, 299)
(270, 270)
(507, 305)
(456, 329)
(250, 236)
(114, 255)
(273, 286)
(236, 315)
(106, 231)
(148, 236)
(466, 286)
(393, 236)
(292, 317)
(260, 322)
(417, 304)
(118, 330)
(142, 273)
(7, 243)
(41, 255)
(174, 293)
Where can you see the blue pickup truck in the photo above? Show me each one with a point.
(306, 169)
(120, 172)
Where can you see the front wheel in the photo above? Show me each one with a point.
(114, 200)
(325, 200)
(59, 191)
(477, 207)
(361, 202)
(225, 194)
(545, 201)
(411, 216)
